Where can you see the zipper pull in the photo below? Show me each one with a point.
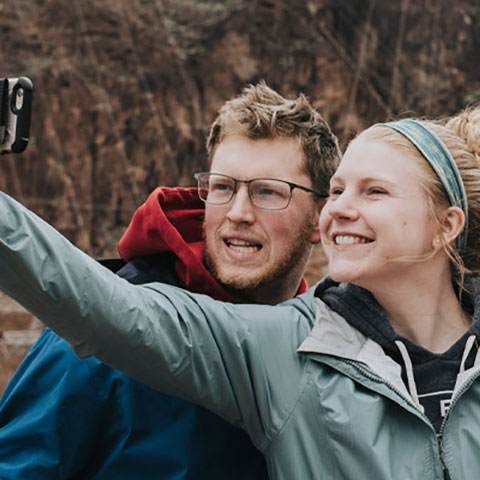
(446, 474)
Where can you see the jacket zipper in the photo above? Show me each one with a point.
(371, 376)
(446, 474)
(466, 385)
(379, 379)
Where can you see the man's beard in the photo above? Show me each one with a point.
(242, 284)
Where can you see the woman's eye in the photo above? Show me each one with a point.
(335, 192)
(377, 191)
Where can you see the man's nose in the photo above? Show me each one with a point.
(241, 209)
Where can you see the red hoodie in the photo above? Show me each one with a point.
(171, 220)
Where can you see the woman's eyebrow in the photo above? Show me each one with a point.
(377, 178)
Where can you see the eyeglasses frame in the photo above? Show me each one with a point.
(292, 186)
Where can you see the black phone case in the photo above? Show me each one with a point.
(15, 115)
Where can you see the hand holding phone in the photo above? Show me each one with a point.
(15, 110)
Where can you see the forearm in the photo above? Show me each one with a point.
(45, 273)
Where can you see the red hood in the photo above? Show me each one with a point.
(171, 220)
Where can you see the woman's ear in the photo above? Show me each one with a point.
(452, 223)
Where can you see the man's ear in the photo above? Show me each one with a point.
(452, 222)
(315, 235)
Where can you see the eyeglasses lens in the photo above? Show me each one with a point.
(270, 194)
(216, 189)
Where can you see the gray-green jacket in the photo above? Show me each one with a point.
(318, 398)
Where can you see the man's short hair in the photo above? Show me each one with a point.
(261, 113)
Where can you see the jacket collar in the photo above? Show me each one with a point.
(333, 336)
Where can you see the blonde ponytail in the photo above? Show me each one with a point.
(467, 126)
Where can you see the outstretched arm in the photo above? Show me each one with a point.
(212, 353)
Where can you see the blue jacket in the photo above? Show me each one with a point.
(62, 417)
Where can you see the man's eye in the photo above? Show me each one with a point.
(267, 192)
(221, 187)
(270, 190)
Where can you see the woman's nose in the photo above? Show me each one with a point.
(344, 206)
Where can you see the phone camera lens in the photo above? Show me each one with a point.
(19, 99)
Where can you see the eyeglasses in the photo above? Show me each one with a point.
(265, 193)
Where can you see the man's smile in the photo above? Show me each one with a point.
(242, 246)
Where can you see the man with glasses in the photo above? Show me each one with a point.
(259, 230)
(245, 235)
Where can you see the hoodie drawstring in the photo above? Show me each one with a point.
(412, 387)
(468, 347)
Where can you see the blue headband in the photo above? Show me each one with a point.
(442, 162)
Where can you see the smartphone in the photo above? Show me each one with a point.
(15, 111)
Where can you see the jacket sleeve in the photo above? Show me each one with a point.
(212, 353)
(48, 414)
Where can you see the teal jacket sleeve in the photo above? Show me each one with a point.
(215, 354)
